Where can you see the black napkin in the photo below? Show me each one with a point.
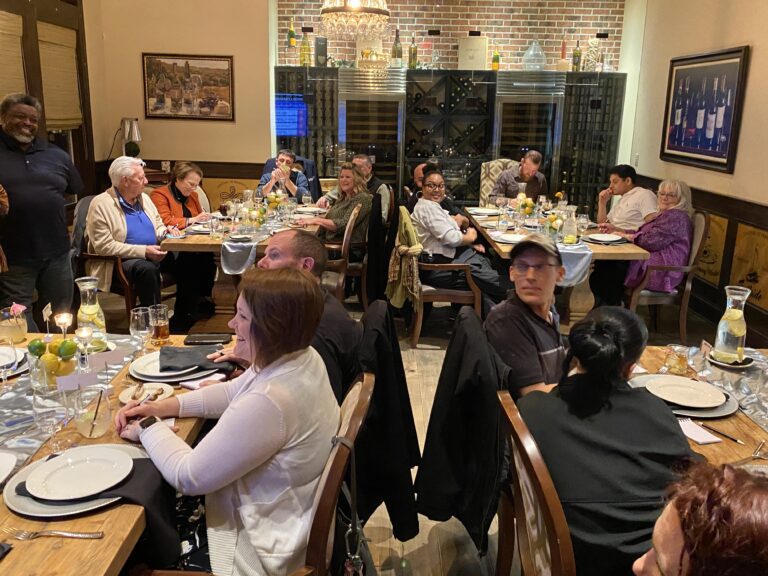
(177, 358)
(143, 486)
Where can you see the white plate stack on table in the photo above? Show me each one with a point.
(688, 397)
(476, 211)
(312, 210)
(147, 368)
(14, 365)
(198, 229)
(508, 237)
(604, 239)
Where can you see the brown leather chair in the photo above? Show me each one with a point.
(682, 294)
(529, 507)
(337, 270)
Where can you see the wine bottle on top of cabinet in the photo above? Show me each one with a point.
(305, 50)
(709, 132)
(576, 58)
(413, 53)
(291, 35)
(701, 113)
(396, 60)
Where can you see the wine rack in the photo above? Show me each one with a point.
(449, 119)
(306, 114)
(590, 140)
(372, 130)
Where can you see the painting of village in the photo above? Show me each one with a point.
(188, 87)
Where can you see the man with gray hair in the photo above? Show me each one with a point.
(123, 221)
(40, 179)
(526, 172)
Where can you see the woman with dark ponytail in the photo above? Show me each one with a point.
(611, 450)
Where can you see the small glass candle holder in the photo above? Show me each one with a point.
(63, 321)
(84, 335)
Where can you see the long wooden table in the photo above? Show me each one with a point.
(738, 425)
(122, 524)
(582, 299)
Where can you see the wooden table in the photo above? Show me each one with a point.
(122, 524)
(581, 300)
(738, 425)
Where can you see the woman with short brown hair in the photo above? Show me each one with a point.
(178, 202)
(260, 465)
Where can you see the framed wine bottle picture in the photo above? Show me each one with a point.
(702, 116)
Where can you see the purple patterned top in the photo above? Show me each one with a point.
(668, 238)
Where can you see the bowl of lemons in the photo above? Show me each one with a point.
(56, 357)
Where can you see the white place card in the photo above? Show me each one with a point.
(99, 360)
(75, 381)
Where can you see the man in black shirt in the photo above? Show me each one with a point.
(39, 178)
(524, 329)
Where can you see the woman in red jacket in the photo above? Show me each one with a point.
(179, 205)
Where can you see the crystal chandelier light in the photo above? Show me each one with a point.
(354, 18)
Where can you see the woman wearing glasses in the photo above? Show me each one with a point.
(448, 239)
(667, 236)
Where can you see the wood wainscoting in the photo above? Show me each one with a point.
(736, 252)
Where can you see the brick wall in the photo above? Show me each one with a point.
(510, 25)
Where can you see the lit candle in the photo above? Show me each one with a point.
(84, 334)
(63, 321)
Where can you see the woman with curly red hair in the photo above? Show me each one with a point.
(715, 524)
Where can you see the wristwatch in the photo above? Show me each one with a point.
(148, 421)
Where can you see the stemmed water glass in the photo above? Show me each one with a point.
(8, 359)
(582, 223)
(540, 201)
(140, 327)
(306, 199)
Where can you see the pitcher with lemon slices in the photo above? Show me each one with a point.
(732, 329)
(90, 313)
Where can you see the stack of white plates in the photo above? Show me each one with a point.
(688, 397)
(477, 211)
(19, 359)
(148, 368)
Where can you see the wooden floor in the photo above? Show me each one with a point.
(440, 548)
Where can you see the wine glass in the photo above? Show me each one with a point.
(49, 410)
(8, 360)
(582, 223)
(140, 327)
(306, 199)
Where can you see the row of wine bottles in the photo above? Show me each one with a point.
(396, 57)
(701, 119)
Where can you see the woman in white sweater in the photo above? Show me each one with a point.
(260, 466)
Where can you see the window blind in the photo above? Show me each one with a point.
(58, 63)
(11, 56)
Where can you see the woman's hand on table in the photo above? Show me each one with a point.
(608, 228)
(202, 217)
(226, 355)
(131, 413)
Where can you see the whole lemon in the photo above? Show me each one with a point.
(50, 362)
(67, 349)
(53, 346)
(66, 367)
(37, 347)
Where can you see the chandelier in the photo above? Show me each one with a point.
(356, 18)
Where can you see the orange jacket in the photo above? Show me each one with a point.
(170, 209)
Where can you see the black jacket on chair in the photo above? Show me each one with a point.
(387, 447)
(461, 466)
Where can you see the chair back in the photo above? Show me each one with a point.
(77, 242)
(544, 539)
(700, 231)
(202, 197)
(489, 174)
(339, 265)
(353, 411)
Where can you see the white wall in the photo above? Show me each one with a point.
(630, 61)
(682, 27)
(118, 31)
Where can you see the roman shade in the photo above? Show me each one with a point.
(58, 63)
(11, 57)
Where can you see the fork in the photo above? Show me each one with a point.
(756, 455)
(32, 534)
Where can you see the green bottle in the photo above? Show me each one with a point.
(413, 53)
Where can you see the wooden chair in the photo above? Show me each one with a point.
(533, 511)
(81, 256)
(336, 271)
(318, 559)
(682, 294)
(471, 297)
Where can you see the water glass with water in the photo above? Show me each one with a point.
(49, 409)
(140, 326)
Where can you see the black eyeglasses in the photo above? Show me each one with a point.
(432, 186)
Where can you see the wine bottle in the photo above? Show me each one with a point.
(413, 53)
(725, 134)
(709, 132)
(720, 118)
(676, 137)
(576, 58)
(291, 35)
(701, 112)
(563, 48)
(686, 111)
(396, 60)
(305, 50)
(496, 60)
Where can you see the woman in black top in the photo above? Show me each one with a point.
(611, 449)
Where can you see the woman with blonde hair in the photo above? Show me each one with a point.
(667, 236)
(260, 465)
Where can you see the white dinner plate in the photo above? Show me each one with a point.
(7, 464)
(605, 237)
(149, 367)
(34, 508)
(475, 210)
(198, 229)
(685, 391)
(490, 224)
(240, 238)
(746, 363)
(310, 210)
(149, 388)
(79, 473)
(730, 405)
(171, 379)
(6, 359)
(509, 238)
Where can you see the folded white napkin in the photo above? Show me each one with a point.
(697, 433)
(195, 384)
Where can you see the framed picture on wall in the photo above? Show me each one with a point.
(188, 87)
(705, 96)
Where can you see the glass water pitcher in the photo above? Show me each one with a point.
(90, 313)
(732, 329)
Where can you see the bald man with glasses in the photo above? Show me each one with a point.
(526, 325)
